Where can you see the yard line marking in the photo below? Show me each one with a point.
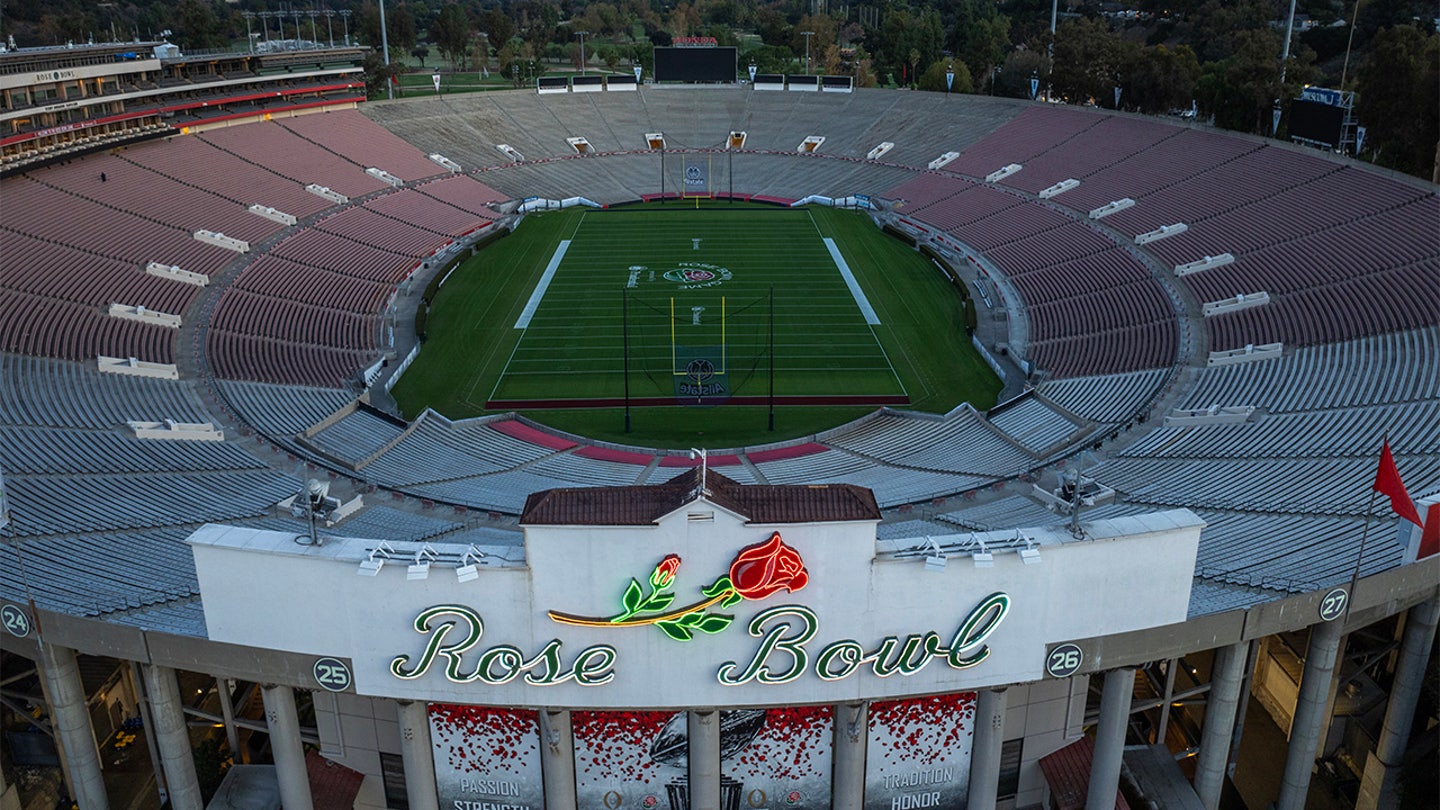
(860, 300)
(534, 302)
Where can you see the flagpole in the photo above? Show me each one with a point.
(1364, 538)
(1365, 534)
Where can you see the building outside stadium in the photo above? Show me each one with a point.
(799, 636)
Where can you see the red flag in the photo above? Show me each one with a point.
(1388, 483)
(1430, 538)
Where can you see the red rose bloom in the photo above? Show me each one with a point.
(764, 568)
(665, 571)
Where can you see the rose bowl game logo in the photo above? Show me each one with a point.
(698, 275)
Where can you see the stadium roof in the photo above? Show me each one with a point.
(644, 505)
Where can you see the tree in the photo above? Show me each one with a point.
(1090, 61)
(451, 34)
(196, 26)
(420, 53)
(981, 36)
(1397, 87)
(399, 25)
(1241, 90)
(497, 26)
(1162, 79)
(934, 77)
(377, 74)
(825, 32)
(1021, 66)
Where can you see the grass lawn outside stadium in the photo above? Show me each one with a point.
(539, 322)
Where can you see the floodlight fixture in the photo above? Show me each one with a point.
(982, 558)
(936, 560)
(420, 568)
(1030, 554)
(470, 562)
(375, 560)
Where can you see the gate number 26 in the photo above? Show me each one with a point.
(1064, 661)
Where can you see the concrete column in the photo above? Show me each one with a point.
(704, 729)
(285, 746)
(1382, 769)
(417, 756)
(847, 785)
(1309, 720)
(989, 737)
(71, 720)
(172, 737)
(224, 687)
(1226, 675)
(1110, 738)
(142, 706)
(1169, 695)
(1244, 708)
(557, 759)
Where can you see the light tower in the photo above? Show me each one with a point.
(582, 35)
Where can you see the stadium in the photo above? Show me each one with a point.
(223, 534)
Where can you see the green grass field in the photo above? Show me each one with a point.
(626, 270)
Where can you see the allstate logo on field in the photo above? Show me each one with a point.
(695, 275)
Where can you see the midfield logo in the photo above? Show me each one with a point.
(698, 275)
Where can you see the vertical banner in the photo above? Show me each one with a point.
(486, 757)
(696, 181)
(1034, 88)
(919, 753)
(631, 760)
(778, 758)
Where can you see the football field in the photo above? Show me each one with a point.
(689, 293)
(557, 319)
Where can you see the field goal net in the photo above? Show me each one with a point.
(697, 172)
(702, 350)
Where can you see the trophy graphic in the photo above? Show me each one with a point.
(671, 746)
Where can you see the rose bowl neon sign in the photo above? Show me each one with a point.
(758, 572)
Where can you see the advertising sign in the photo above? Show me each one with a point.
(631, 760)
(918, 753)
(486, 757)
(782, 758)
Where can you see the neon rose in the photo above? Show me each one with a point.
(665, 572)
(765, 568)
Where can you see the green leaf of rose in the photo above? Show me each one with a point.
(732, 600)
(660, 601)
(691, 619)
(675, 631)
(718, 587)
(632, 597)
(714, 623)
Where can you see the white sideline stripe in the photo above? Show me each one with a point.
(534, 302)
(860, 299)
